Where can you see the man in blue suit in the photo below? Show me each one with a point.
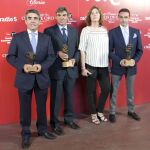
(125, 52)
(31, 54)
(63, 78)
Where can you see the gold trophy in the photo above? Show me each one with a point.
(128, 62)
(66, 63)
(30, 59)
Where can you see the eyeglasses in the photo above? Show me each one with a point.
(123, 17)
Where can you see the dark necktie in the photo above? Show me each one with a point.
(64, 35)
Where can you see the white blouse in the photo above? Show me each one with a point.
(95, 44)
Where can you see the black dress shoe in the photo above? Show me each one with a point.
(134, 116)
(112, 118)
(58, 130)
(47, 135)
(72, 125)
(25, 142)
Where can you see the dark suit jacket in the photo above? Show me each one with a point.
(117, 50)
(56, 70)
(18, 49)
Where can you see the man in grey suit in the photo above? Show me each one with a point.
(64, 38)
(125, 51)
(31, 54)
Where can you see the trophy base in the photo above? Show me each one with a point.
(32, 69)
(129, 63)
(66, 64)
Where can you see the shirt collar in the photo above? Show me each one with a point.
(29, 32)
(60, 27)
(124, 28)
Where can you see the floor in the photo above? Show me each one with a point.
(125, 134)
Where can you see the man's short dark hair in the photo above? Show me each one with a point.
(61, 9)
(33, 11)
(124, 10)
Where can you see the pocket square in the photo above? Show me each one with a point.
(134, 35)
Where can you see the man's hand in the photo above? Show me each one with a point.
(37, 68)
(123, 62)
(127, 63)
(132, 62)
(73, 61)
(62, 55)
(26, 68)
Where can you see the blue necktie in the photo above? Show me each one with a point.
(65, 38)
(33, 41)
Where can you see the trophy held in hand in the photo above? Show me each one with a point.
(129, 62)
(30, 59)
(66, 63)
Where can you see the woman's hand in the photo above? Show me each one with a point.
(85, 72)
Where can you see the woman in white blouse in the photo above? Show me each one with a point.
(94, 62)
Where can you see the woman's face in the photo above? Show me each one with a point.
(95, 15)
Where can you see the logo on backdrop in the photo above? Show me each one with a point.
(7, 38)
(147, 34)
(44, 18)
(71, 19)
(113, 2)
(82, 17)
(147, 46)
(110, 17)
(8, 19)
(4, 55)
(135, 18)
(147, 18)
(35, 2)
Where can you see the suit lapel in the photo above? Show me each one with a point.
(120, 35)
(58, 33)
(38, 42)
(27, 41)
(130, 35)
(69, 36)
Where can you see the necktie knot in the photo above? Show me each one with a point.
(33, 34)
(63, 29)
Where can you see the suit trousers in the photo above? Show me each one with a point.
(129, 91)
(59, 86)
(101, 75)
(25, 97)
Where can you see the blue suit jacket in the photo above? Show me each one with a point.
(18, 49)
(117, 50)
(56, 70)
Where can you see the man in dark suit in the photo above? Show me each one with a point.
(31, 54)
(125, 52)
(63, 78)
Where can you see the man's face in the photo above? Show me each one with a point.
(32, 21)
(124, 18)
(62, 18)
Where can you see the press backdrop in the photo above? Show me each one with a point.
(12, 21)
